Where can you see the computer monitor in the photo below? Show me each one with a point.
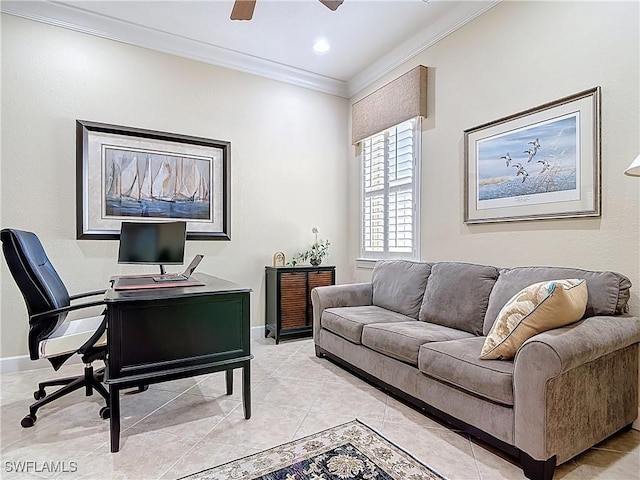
(152, 243)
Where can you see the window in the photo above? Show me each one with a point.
(390, 193)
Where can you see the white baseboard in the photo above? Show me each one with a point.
(257, 332)
(22, 363)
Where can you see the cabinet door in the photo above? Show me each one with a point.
(293, 300)
(317, 279)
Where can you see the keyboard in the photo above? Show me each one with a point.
(169, 278)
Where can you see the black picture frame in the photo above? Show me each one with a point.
(104, 199)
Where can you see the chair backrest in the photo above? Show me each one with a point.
(37, 280)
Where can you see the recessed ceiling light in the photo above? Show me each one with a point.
(321, 46)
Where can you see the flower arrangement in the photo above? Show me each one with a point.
(314, 254)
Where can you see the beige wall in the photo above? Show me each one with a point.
(288, 151)
(516, 56)
(290, 145)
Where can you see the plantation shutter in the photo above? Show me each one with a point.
(400, 196)
(389, 192)
(374, 191)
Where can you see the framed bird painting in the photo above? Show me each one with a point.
(540, 163)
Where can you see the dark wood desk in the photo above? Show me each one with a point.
(156, 335)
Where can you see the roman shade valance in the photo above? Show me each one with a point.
(397, 101)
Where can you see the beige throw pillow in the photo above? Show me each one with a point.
(534, 309)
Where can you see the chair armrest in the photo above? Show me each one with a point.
(94, 338)
(574, 386)
(56, 311)
(87, 294)
(331, 296)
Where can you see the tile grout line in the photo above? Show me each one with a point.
(475, 457)
(134, 424)
(224, 417)
(386, 407)
(306, 415)
(198, 442)
(209, 431)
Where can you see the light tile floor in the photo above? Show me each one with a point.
(181, 427)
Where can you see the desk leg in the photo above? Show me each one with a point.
(246, 389)
(114, 421)
(229, 377)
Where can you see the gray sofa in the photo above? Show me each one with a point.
(418, 328)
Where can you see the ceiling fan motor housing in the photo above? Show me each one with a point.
(243, 9)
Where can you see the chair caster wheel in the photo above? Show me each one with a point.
(28, 421)
(105, 413)
(38, 394)
(143, 388)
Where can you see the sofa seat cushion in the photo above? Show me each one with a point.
(458, 363)
(349, 321)
(402, 340)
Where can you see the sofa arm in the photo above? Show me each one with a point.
(566, 348)
(575, 386)
(348, 295)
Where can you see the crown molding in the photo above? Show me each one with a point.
(72, 18)
(79, 20)
(449, 23)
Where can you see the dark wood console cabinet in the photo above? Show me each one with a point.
(288, 298)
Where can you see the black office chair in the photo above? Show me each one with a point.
(51, 334)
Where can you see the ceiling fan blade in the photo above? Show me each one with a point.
(243, 9)
(331, 4)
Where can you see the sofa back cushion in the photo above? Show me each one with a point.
(399, 285)
(608, 292)
(457, 295)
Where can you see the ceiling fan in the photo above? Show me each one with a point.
(243, 9)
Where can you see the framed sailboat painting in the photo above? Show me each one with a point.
(126, 173)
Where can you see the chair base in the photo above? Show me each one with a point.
(90, 380)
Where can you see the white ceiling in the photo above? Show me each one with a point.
(368, 38)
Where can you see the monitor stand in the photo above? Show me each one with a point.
(162, 270)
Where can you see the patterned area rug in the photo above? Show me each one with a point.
(349, 451)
